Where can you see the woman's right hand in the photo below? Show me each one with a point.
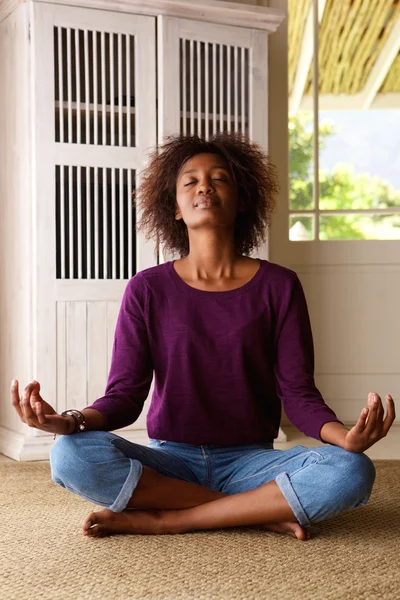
(35, 412)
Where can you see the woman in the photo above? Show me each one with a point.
(228, 338)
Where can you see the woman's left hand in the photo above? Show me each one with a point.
(370, 427)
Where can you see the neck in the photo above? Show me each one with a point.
(214, 260)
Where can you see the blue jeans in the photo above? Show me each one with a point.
(317, 483)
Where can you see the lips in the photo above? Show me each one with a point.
(206, 201)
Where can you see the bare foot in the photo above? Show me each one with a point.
(106, 522)
(154, 522)
(288, 528)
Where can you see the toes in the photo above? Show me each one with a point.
(90, 520)
(293, 529)
(95, 531)
(302, 534)
(96, 524)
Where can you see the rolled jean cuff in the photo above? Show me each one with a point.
(283, 482)
(129, 486)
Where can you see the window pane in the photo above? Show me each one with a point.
(360, 227)
(360, 159)
(301, 228)
(301, 125)
(301, 139)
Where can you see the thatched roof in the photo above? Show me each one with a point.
(359, 49)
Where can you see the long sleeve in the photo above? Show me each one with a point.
(294, 367)
(131, 370)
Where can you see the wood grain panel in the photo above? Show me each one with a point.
(355, 320)
(112, 315)
(97, 355)
(76, 345)
(61, 360)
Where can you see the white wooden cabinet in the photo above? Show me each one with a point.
(88, 89)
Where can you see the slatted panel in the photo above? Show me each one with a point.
(95, 223)
(94, 87)
(214, 88)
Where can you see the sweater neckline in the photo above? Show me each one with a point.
(219, 293)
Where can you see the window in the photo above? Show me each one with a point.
(344, 140)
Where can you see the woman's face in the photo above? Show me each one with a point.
(206, 192)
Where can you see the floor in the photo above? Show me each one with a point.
(387, 448)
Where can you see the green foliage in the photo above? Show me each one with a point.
(339, 190)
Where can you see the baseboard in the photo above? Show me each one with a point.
(21, 447)
(31, 448)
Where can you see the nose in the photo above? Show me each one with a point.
(205, 186)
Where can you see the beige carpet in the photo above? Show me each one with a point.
(43, 553)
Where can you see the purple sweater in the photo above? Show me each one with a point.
(222, 361)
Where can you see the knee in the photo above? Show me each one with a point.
(360, 474)
(72, 452)
(61, 456)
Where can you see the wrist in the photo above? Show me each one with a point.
(333, 433)
(78, 417)
(70, 424)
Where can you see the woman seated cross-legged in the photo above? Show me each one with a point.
(228, 340)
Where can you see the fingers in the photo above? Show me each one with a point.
(375, 412)
(35, 401)
(15, 398)
(360, 425)
(375, 424)
(378, 405)
(23, 404)
(26, 404)
(36, 390)
(390, 414)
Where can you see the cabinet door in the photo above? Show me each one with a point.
(93, 122)
(212, 78)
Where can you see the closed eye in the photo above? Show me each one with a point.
(215, 179)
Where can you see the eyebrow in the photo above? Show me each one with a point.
(213, 167)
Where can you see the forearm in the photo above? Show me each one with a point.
(333, 433)
(94, 420)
